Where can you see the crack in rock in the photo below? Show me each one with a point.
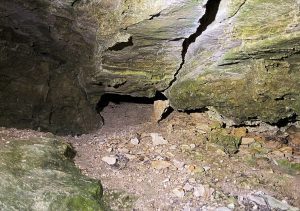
(212, 7)
(238, 9)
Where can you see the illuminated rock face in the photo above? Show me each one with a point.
(59, 57)
(246, 64)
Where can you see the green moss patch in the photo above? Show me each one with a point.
(38, 174)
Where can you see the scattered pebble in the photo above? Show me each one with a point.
(206, 168)
(179, 192)
(110, 160)
(123, 150)
(231, 206)
(247, 141)
(178, 164)
(188, 187)
(199, 191)
(160, 164)
(173, 147)
(135, 141)
(193, 146)
(223, 209)
(157, 139)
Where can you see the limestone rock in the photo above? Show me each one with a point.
(160, 164)
(38, 174)
(199, 191)
(229, 56)
(157, 139)
(135, 141)
(247, 141)
(245, 64)
(179, 192)
(160, 107)
(110, 160)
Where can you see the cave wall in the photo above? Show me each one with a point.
(43, 48)
(246, 64)
(57, 58)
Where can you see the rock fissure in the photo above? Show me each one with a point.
(154, 16)
(212, 7)
(238, 9)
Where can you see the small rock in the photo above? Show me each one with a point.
(157, 139)
(275, 204)
(135, 141)
(206, 168)
(223, 209)
(239, 132)
(194, 169)
(160, 107)
(110, 160)
(179, 192)
(192, 180)
(247, 141)
(166, 180)
(257, 199)
(160, 164)
(286, 150)
(231, 206)
(193, 146)
(173, 147)
(123, 150)
(187, 187)
(178, 164)
(130, 157)
(199, 191)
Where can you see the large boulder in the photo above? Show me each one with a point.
(246, 64)
(38, 174)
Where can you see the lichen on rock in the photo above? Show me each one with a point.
(38, 174)
(245, 65)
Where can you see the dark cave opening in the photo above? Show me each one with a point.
(119, 99)
(119, 112)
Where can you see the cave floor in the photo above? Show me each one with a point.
(188, 172)
(185, 171)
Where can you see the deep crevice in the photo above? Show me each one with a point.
(121, 45)
(154, 16)
(74, 2)
(212, 7)
(285, 121)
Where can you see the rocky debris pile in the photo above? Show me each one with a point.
(190, 161)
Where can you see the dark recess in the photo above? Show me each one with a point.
(154, 16)
(119, 99)
(212, 7)
(285, 121)
(121, 45)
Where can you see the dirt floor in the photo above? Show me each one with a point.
(180, 163)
